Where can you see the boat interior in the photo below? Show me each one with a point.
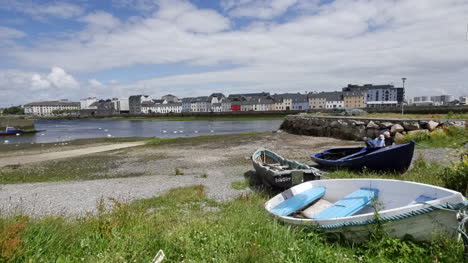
(351, 197)
(276, 162)
(345, 153)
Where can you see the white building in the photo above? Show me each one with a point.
(50, 108)
(169, 108)
(464, 100)
(85, 103)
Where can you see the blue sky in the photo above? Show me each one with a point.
(116, 48)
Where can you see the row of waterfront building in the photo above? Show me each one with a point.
(351, 96)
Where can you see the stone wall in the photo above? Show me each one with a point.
(355, 128)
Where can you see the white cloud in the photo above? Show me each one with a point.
(41, 11)
(94, 83)
(26, 84)
(10, 33)
(264, 9)
(100, 19)
(371, 41)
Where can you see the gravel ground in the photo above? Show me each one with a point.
(221, 160)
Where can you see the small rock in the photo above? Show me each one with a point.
(372, 125)
(431, 125)
(411, 126)
(372, 133)
(386, 124)
(397, 128)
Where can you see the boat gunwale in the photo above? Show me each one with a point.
(381, 150)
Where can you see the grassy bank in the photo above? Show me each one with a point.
(52, 146)
(203, 138)
(89, 167)
(189, 227)
(452, 137)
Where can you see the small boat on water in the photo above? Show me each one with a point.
(352, 207)
(278, 172)
(395, 158)
(10, 131)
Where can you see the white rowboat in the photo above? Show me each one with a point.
(348, 207)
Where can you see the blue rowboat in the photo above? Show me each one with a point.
(395, 158)
(10, 131)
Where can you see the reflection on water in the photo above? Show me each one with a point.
(67, 130)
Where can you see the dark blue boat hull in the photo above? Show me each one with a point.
(395, 158)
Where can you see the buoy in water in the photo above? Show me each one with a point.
(6, 141)
(18, 134)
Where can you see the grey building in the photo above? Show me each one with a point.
(134, 103)
(100, 108)
(187, 104)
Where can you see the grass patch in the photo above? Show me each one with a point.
(180, 224)
(451, 137)
(9, 148)
(177, 171)
(204, 175)
(240, 185)
(202, 138)
(79, 168)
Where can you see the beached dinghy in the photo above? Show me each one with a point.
(393, 158)
(278, 172)
(347, 207)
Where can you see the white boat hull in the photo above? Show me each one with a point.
(398, 217)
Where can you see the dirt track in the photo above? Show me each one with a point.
(40, 157)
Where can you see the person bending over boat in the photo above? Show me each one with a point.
(389, 141)
(375, 143)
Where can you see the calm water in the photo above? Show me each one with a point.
(67, 130)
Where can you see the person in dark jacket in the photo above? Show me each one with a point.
(389, 141)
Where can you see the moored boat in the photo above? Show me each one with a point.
(10, 131)
(392, 158)
(352, 207)
(278, 172)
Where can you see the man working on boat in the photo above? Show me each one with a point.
(389, 141)
(375, 143)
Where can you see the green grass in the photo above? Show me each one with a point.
(182, 224)
(240, 185)
(422, 171)
(9, 148)
(202, 138)
(453, 137)
(87, 167)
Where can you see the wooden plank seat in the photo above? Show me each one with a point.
(350, 204)
(298, 201)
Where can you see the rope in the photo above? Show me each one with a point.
(447, 206)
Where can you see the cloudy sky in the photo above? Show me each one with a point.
(115, 48)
